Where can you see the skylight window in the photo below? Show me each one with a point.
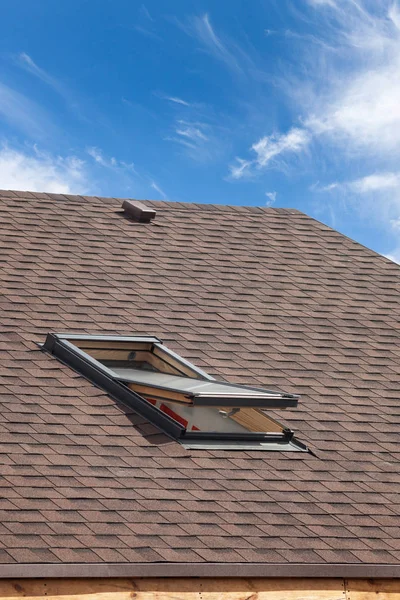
(182, 400)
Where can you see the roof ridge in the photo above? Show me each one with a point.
(158, 204)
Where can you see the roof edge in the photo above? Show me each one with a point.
(206, 570)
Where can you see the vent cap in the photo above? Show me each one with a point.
(138, 211)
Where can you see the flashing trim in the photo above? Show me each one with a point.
(205, 570)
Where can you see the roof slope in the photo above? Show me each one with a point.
(261, 296)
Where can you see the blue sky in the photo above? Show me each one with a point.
(262, 102)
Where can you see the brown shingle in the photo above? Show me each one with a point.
(268, 297)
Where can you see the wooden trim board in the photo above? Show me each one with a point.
(201, 589)
(173, 589)
(366, 589)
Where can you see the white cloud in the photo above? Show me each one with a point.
(296, 140)
(225, 50)
(42, 172)
(271, 198)
(242, 168)
(348, 92)
(317, 3)
(270, 147)
(144, 11)
(183, 142)
(375, 198)
(370, 184)
(108, 163)
(350, 98)
(24, 114)
(177, 100)
(352, 109)
(27, 63)
(73, 101)
(98, 157)
(193, 132)
(394, 256)
(202, 29)
(199, 140)
(395, 224)
(156, 187)
(394, 14)
(346, 111)
(316, 187)
(376, 182)
(365, 114)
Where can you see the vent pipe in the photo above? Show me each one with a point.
(138, 212)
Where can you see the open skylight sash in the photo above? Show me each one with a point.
(204, 393)
(239, 431)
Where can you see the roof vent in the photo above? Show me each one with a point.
(138, 211)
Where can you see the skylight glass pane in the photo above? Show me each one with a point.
(196, 391)
(210, 419)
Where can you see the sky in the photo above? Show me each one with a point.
(283, 103)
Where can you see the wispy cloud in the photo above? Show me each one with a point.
(28, 64)
(345, 111)
(108, 162)
(394, 256)
(192, 132)
(271, 198)
(99, 158)
(24, 114)
(222, 48)
(173, 99)
(72, 99)
(240, 168)
(395, 223)
(177, 100)
(356, 115)
(204, 31)
(317, 187)
(269, 148)
(147, 32)
(144, 11)
(199, 139)
(319, 3)
(146, 24)
(376, 182)
(351, 99)
(373, 197)
(381, 182)
(38, 171)
(157, 188)
(348, 95)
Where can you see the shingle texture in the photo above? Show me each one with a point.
(260, 296)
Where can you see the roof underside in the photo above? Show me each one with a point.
(266, 297)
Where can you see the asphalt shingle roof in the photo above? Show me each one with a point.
(254, 295)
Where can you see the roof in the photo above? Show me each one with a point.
(254, 295)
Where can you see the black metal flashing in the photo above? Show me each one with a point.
(277, 402)
(114, 388)
(206, 570)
